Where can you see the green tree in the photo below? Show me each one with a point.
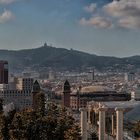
(54, 125)
(136, 128)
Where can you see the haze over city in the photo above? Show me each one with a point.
(102, 27)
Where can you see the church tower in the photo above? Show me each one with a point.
(66, 94)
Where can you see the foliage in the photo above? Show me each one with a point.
(40, 103)
(29, 124)
(136, 128)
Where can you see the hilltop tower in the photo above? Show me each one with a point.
(66, 94)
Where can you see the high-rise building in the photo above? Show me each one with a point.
(3, 72)
(130, 77)
(24, 83)
(91, 75)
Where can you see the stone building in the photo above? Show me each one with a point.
(80, 98)
(106, 119)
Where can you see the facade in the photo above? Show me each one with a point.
(3, 72)
(18, 92)
(91, 76)
(20, 98)
(24, 83)
(135, 95)
(106, 119)
(80, 98)
(130, 77)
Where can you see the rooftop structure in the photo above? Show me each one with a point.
(108, 118)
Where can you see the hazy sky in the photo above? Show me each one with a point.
(102, 27)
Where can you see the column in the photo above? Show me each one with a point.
(89, 114)
(119, 125)
(102, 123)
(112, 117)
(84, 123)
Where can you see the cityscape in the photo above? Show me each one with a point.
(103, 104)
(69, 70)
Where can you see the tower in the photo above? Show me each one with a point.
(66, 94)
(35, 91)
(3, 72)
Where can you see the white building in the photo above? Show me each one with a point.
(24, 83)
(93, 118)
(135, 95)
(19, 92)
(20, 98)
(130, 77)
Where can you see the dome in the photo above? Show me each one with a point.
(90, 89)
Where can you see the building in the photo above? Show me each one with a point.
(24, 83)
(18, 92)
(107, 119)
(80, 98)
(20, 98)
(66, 94)
(130, 77)
(135, 95)
(91, 76)
(3, 72)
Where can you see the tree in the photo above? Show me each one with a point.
(54, 125)
(136, 128)
(7, 120)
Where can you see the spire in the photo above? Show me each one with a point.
(67, 86)
(36, 87)
(66, 94)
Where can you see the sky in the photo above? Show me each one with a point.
(102, 27)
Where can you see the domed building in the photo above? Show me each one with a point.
(79, 98)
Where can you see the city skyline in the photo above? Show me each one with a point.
(103, 27)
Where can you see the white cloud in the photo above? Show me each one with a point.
(124, 13)
(123, 7)
(127, 12)
(6, 16)
(7, 1)
(90, 8)
(130, 22)
(98, 22)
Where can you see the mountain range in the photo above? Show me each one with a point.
(64, 59)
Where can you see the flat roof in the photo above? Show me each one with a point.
(118, 104)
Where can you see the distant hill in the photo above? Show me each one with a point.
(64, 59)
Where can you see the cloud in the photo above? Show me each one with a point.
(98, 22)
(127, 12)
(118, 13)
(130, 22)
(6, 16)
(123, 8)
(7, 1)
(90, 8)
